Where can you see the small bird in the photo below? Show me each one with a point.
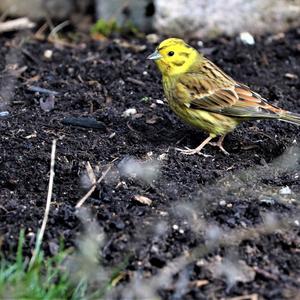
(204, 96)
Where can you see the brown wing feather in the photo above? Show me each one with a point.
(225, 97)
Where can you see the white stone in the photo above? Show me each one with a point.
(285, 191)
(200, 18)
(129, 112)
(175, 227)
(222, 202)
(48, 54)
(247, 38)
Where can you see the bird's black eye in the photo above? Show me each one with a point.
(171, 53)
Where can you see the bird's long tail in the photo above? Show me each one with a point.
(290, 117)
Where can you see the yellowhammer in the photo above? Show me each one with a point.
(205, 97)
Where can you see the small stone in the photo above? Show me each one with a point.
(157, 261)
(152, 38)
(47, 104)
(247, 38)
(181, 231)
(200, 44)
(160, 102)
(285, 191)
(290, 76)
(4, 113)
(163, 156)
(163, 213)
(297, 223)
(175, 227)
(48, 54)
(229, 205)
(142, 199)
(129, 112)
(267, 200)
(222, 202)
(154, 249)
(150, 154)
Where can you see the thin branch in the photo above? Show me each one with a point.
(47, 209)
(15, 25)
(93, 187)
(57, 28)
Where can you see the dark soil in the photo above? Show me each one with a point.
(233, 193)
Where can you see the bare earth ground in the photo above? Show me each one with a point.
(203, 209)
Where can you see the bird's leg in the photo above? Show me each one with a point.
(197, 150)
(219, 144)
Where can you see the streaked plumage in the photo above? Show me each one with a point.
(204, 96)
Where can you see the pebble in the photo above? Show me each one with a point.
(129, 112)
(4, 113)
(247, 38)
(285, 191)
(175, 227)
(163, 156)
(222, 202)
(268, 200)
(290, 76)
(48, 54)
(152, 38)
(200, 44)
(160, 102)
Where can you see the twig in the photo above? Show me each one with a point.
(135, 81)
(40, 32)
(49, 196)
(57, 28)
(17, 24)
(93, 187)
(90, 173)
(41, 90)
(245, 297)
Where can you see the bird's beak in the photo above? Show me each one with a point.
(155, 55)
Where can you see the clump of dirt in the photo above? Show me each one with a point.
(195, 200)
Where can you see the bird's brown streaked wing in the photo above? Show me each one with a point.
(235, 100)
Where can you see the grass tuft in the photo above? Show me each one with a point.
(46, 279)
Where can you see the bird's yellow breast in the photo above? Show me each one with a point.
(213, 123)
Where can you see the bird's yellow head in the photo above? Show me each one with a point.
(173, 56)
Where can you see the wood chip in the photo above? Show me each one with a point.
(290, 76)
(199, 283)
(142, 199)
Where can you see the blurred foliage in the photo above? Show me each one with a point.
(50, 278)
(107, 28)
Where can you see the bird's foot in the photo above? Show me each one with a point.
(216, 144)
(189, 151)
